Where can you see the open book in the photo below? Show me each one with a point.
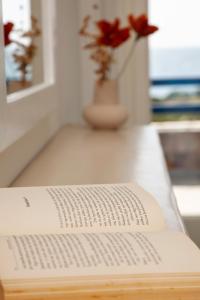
(92, 242)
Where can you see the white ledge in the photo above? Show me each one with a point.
(180, 126)
(82, 156)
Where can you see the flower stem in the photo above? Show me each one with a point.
(130, 53)
(110, 62)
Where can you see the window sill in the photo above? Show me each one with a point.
(81, 156)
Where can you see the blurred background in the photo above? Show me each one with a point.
(162, 84)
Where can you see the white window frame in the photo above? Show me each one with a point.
(21, 111)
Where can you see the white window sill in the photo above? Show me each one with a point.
(81, 156)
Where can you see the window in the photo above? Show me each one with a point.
(175, 59)
(23, 43)
(22, 111)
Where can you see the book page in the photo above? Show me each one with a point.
(61, 209)
(99, 254)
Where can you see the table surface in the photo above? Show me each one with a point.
(78, 155)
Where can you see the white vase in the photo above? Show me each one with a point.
(105, 112)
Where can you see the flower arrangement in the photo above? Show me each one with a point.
(110, 36)
(25, 52)
(26, 47)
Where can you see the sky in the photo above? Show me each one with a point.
(178, 22)
(18, 12)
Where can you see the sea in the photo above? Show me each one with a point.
(174, 63)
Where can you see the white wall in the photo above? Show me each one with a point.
(68, 60)
(15, 158)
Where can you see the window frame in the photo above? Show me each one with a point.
(21, 111)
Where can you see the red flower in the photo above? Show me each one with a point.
(7, 30)
(110, 33)
(141, 26)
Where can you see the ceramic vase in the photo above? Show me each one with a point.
(105, 111)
